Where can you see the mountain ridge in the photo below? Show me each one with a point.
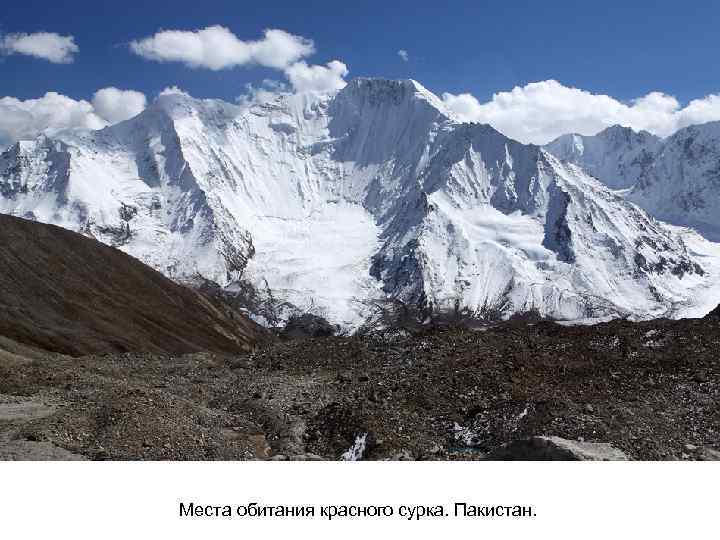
(336, 204)
(676, 179)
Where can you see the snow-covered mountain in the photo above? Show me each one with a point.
(676, 179)
(617, 155)
(337, 203)
(682, 184)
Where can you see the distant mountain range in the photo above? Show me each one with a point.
(675, 179)
(338, 205)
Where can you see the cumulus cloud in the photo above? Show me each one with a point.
(26, 119)
(403, 54)
(216, 48)
(541, 111)
(46, 45)
(115, 105)
(169, 90)
(699, 111)
(307, 78)
(266, 92)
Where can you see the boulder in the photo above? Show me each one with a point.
(557, 449)
(708, 454)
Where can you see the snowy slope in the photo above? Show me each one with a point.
(682, 184)
(617, 155)
(540, 235)
(676, 179)
(334, 202)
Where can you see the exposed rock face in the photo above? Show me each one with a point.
(308, 325)
(557, 449)
(63, 292)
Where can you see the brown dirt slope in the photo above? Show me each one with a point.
(66, 293)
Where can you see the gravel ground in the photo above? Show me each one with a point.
(649, 389)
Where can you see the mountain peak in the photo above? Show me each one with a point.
(618, 132)
(172, 102)
(376, 91)
(615, 132)
(617, 155)
(380, 84)
(711, 129)
(616, 129)
(178, 105)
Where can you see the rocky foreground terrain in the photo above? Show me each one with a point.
(648, 391)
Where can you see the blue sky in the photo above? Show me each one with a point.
(623, 49)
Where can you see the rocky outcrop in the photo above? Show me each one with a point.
(308, 326)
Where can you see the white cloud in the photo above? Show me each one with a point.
(46, 45)
(313, 78)
(538, 112)
(699, 111)
(267, 91)
(26, 119)
(169, 90)
(279, 49)
(402, 53)
(52, 112)
(116, 105)
(216, 48)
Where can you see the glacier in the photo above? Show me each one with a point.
(337, 204)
